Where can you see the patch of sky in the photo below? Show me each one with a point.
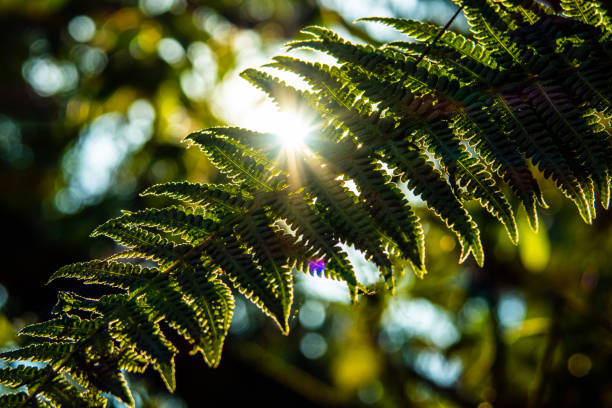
(366, 271)
(248, 47)
(254, 110)
(23, 363)
(355, 9)
(412, 198)
(325, 289)
(436, 11)
(202, 57)
(351, 185)
(407, 318)
(90, 167)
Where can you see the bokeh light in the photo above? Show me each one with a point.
(579, 365)
(98, 100)
(49, 77)
(170, 50)
(511, 310)
(313, 346)
(418, 317)
(82, 28)
(89, 167)
(312, 314)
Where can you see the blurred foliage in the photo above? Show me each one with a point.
(97, 97)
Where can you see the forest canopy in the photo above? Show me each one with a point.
(397, 152)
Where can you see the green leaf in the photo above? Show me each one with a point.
(256, 230)
(213, 303)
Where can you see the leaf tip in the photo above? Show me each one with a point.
(167, 373)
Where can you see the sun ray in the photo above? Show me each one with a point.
(292, 130)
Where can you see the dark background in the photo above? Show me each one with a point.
(533, 325)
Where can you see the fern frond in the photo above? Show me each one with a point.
(236, 161)
(278, 90)
(271, 252)
(61, 393)
(340, 207)
(456, 120)
(317, 234)
(56, 388)
(104, 376)
(553, 105)
(588, 12)
(246, 275)
(534, 141)
(425, 33)
(199, 325)
(148, 245)
(136, 327)
(213, 304)
(320, 76)
(192, 225)
(220, 198)
(64, 327)
(490, 29)
(421, 117)
(412, 167)
(40, 353)
(264, 146)
(115, 274)
(492, 144)
(20, 400)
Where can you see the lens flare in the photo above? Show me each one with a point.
(291, 129)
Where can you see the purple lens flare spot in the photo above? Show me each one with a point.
(316, 266)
